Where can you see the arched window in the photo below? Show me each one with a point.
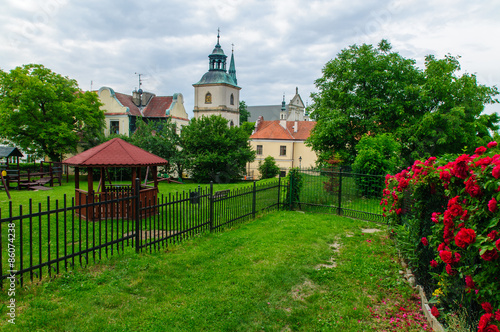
(208, 98)
(231, 124)
(231, 101)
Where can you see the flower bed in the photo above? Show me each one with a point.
(445, 217)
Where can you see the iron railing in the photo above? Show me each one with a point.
(343, 193)
(40, 241)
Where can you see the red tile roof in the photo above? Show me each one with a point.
(126, 101)
(158, 106)
(273, 130)
(115, 153)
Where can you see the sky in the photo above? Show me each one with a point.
(278, 45)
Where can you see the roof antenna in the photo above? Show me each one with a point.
(140, 82)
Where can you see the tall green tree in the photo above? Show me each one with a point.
(364, 90)
(45, 113)
(214, 150)
(368, 90)
(161, 139)
(244, 113)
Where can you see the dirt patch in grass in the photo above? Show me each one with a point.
(370, 230)
(300, 292)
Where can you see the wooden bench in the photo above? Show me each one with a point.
(218, 195)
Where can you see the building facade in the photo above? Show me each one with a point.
(217, 92)
(284, 141)
(295, 110)
(122, 111)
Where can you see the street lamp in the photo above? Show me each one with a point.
(300, 162)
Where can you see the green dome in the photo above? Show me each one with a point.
(216, 77)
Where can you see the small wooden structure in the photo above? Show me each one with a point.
(114, 153)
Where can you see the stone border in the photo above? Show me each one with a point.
(426, 309)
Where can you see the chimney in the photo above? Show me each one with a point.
(295, 127)
(283, 123)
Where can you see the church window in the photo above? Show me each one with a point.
(232, 99)
(259, 150)
(231, 124)
(114, 127)
(208, 98)
(283, 150)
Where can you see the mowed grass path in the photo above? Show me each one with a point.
(261, 276)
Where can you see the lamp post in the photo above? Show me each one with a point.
(300, 162)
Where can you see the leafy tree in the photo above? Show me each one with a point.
(454, 118)
(215, 151)
(45, 113)
(363, 90)
(377, 155)
(367, 90)
(268, 169)
(248, 127)
(161, 139)
(244, 113)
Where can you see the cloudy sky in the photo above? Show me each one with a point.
(278, 45)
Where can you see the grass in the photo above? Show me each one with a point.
(262, 276)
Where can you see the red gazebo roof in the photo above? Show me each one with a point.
(115, 153)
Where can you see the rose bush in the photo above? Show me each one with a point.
(456, 198)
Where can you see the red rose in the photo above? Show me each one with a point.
(497, 315)
(480, 150)
(487, 307)
(445, 176)
(435, 216)
(490, 255)
(491, 328)
(492, 205)
(460, 167)
(492, 144)
(497, 244)
(472, 188)
(464, 237)
(441, 246)
(435, 312)
(456, 210)
(424, 241)
(449, 270)
(469, 282)
(448, 219)
(446, 256)
(483, 322)
(493, 235)
(496, 172)
(457, 258)
(434, 263)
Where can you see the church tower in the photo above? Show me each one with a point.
(217, 92)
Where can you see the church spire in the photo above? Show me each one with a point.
(232, 68)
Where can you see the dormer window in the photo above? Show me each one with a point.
(208, 98)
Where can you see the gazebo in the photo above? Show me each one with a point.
(114, 153)
(7, 152)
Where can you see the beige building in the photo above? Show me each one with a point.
(121, 110)
(217, 92)
(284, 141)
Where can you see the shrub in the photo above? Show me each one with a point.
(455, 204)
(268, 169)
(377, 155)
(295, 183)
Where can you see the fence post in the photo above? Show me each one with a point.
(254, 201)
(279, 191)
(211, 197)
(137, 206)
(339, 208)
(290, 193)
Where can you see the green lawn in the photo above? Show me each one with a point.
(260, 276)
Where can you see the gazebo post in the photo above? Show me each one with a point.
(90, 180)
(155, 176)
(102, 180)
(134, 175)
(77, 177)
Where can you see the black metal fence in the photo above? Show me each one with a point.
(39, 241)
(344, 193)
